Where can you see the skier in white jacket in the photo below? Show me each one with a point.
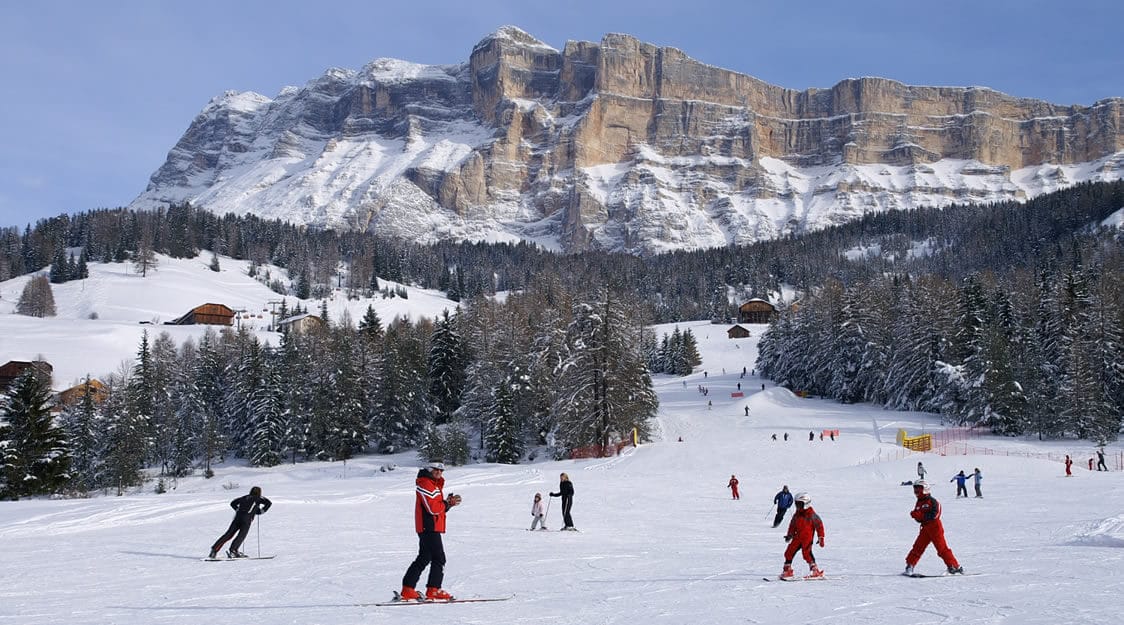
(538, 513)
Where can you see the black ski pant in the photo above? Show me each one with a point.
(567, 503)
(960, 488)
(240, 526)
(780, 516)
(431, 553)
(978, 493)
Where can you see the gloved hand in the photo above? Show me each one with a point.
(821, 541)
(452, 500)
(261, 511)
(787, 538)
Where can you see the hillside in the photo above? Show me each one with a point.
(661, 541)
(127, 305)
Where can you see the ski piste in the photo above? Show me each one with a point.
(398, 600)
(233, 559)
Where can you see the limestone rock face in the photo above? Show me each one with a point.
(618, 145)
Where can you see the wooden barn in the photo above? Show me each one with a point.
(207, 314)
(737, 332)
(13, 369)
(756, 310)
(74, 394)
(304, 322)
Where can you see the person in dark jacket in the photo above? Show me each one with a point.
(783, 500)
(430, 506)
(961, 481)
(1101, 466)
(566, 492)
(246, 508)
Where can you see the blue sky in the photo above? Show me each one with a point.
(96, 93)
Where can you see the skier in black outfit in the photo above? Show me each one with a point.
(246, 508)
(566, 492)
(1100, 461)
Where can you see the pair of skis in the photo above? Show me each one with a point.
(234, 559)
(398, 600)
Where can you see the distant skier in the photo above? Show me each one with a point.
(927, 512)
(1100, 461)
(747, 411)
(537, 514)
(802, 531)
(774, 436)
(811, 436)
(960, 480)
(920, 471)
(566, 492)
(733, 486)
(977, 477)
(246, 508)
(430, 508)
(786, 436)
(1068, 464)
(783, 500)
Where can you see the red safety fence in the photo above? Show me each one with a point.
(953, 442)
(599, 451)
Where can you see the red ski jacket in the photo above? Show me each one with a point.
(927, 510)
(805, 525)
(429, 511)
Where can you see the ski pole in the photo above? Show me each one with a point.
(547, 515)
(770, 511)
(259, 535)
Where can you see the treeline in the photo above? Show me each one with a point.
(1022, 352)
(545, 368)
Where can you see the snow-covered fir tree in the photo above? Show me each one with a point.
(34, 455)
(605, 390)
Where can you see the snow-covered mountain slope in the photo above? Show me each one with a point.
(661, 540)
(126, 305)
(618, 145)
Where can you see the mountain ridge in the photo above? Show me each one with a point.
(619, 145)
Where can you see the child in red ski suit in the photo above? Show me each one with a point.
(927, 512)
(802, 530)
(733, 485)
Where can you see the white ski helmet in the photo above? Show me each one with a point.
(803, 498)
(923, 485)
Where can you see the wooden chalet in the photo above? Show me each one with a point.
(756, 310)
(74, 394)
(13, 369)
(207, 314)
(737, 332)
(303, 322)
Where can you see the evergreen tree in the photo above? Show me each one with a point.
(604, 387)
(80, 422)
(504, 438)
(448, 359)
(124, 436)
(33, 450)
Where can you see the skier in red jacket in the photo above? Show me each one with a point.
(733, 485)
(802, 530)
(927, 512)
(430, 507)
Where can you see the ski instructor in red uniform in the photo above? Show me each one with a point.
(927, 512)
(430, 507)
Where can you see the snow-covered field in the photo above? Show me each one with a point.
(126, 305)
(661, 540)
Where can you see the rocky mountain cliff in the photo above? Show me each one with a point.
(618, 145)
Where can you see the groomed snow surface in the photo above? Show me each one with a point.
(661, 540)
